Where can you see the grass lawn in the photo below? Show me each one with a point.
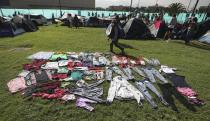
(192, 62)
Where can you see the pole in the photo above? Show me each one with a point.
(1, 12)
(189, 5)
(138, 3)
(131, 5)
(195, 7)
(60, 8)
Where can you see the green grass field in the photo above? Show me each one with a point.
(192, 62)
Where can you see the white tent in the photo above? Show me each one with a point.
(205, 38)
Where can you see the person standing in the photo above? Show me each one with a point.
(70, 18)
(76, 21)
(114, 36)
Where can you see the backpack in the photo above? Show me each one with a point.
(110, 31)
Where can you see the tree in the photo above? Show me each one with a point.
(175, 8)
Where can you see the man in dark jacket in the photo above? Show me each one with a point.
(114, 36)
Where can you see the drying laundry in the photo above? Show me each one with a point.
(151, 73)
(84, 103)
(41, 56)
(143, 85)
(16, 84)
(120, 88)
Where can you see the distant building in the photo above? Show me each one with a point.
(204, 9)
(40, 4)
(119, 8)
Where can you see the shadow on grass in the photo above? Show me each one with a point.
(127, 46)
(169, 91)
(196, 44)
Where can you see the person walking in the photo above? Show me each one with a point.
(114, 36)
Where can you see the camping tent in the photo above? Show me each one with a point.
(24, 23)
(205, 38)
(203, 28)
(136, 29)
(9, 29)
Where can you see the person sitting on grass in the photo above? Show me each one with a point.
(170, 28)
(192, 29)
(114, 36)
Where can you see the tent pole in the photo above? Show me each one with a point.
(189, 5)
(1, 12)
(60, 7)
(196, 4)
(131, 5)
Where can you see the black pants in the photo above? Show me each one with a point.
(116, 44)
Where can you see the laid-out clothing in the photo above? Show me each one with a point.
(45, 87)
(42, 76)
(117, 70)
(50, 65)
(152, 61)
(151, 73)
(98, 74)
(93, 93)
(84, 103)
(119, 60)
(143, 85)
(103, 61)
(68, 97)
(138, 71)
(166, 69)
(169, 92)
(177, 80)
(62, 63)
(59, 76)
(72, 64)
(128, 73)
(76, 75)
(108, 74)
(24, 73)
(16, 84)
(58, 93)
(57, 56)
(184, 89)
(37, 77)
(120, 88)
(96, 62)
(88, 64)
(35, 65)
(63, 70)
(90, 91)
(41, 56)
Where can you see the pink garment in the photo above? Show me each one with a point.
(157, 24)
(186, 91)
(16, 84)
(58, 93)
(83, 103)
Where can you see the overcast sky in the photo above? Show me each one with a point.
(106, 3)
